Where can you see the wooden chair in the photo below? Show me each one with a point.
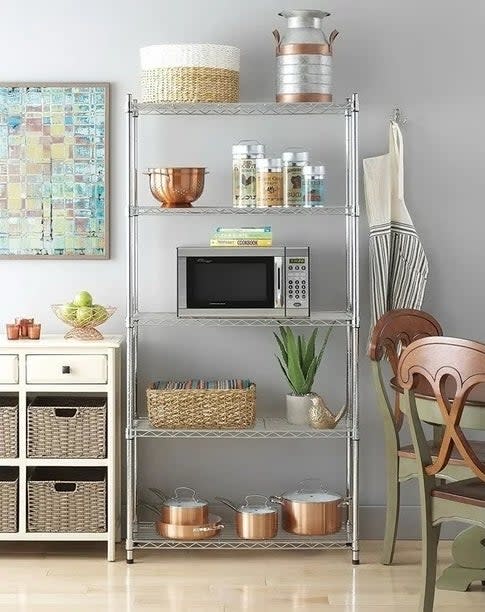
(437, 360)
(392, 333)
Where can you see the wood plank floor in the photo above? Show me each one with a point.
(75, 578)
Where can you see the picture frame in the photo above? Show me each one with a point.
(55, 170)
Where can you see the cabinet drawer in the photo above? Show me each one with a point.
(9, 369)
(67, 369)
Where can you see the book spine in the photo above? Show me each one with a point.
(243, 232)
(239, 242)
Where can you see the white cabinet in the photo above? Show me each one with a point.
(55, 366)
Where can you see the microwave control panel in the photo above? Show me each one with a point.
(297, 282)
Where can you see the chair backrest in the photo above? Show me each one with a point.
(393, 332)
(436, 360)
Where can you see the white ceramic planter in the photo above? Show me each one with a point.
(298, 409)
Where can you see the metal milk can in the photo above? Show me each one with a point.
(304, 58)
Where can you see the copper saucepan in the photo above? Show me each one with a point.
(191, 532)
(310, 510)
(184, 508)
(255, 519)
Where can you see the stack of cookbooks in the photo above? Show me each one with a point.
(242, 237)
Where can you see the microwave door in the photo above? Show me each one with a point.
(233, 286)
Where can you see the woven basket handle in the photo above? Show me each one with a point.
(65, 413)
(65, 487)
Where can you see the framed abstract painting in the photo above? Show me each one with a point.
(54, 170)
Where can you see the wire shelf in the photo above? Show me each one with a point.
(266, 427)
(239, 108)
(136, 211)
(145, 536)
(170, 319)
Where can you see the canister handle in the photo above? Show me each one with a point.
(331, 38)
(277, 38)
(302, 484)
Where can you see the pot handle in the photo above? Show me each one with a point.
(150, 507)
(192, 496)
(208, 528)
(276, 499)
(303, 483)
(159, 493)
(258, 497)
(227, 502)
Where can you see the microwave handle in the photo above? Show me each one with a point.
(278, 281)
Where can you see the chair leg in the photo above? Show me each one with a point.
(392, 511)
(429, 552)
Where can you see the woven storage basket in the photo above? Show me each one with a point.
(190, 73)
(67, 500)
(9, 410)
(8, 499)
(202, 408)
(67, 427)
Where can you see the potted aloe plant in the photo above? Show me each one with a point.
(299, 361)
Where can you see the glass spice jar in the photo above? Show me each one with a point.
(293, 163)
(269, 182)
(314, 185)
(244, 156)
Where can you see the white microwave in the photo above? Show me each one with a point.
(272, 282)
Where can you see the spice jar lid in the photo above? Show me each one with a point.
(269, 163)
(248, 147)
(295, 156)
(311, 170)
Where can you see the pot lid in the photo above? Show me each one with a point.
(185, 497)
(256, 504)
(311, 490)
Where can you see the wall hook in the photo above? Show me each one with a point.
(398, 117)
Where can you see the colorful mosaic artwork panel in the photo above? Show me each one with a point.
(53, 171)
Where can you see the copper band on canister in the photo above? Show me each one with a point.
(303, 49)
(303, 97)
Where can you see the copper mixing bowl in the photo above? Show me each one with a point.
(176, 187)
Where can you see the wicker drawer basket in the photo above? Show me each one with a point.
(9, 479)
(9, 410)
(190, 73)
(202, 408)
(67, 500)
(67, 427)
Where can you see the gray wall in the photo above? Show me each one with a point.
(423, 56)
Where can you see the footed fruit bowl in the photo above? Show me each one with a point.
(83, 319)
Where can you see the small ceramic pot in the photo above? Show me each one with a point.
(298, 409)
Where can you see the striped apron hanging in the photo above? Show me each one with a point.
(398, 264)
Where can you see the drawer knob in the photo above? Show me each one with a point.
(66, 369)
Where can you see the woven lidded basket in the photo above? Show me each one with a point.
(8, 499)
(67, 427)
(190, 73)
(8, 426)
(67, 500)
(202, 408)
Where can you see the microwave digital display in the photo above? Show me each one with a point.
(296, 260)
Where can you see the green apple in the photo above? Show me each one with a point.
(83, 298)
(84, 314)
(69, 312)
(100, 314)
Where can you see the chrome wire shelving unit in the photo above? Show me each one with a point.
(142, 535)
